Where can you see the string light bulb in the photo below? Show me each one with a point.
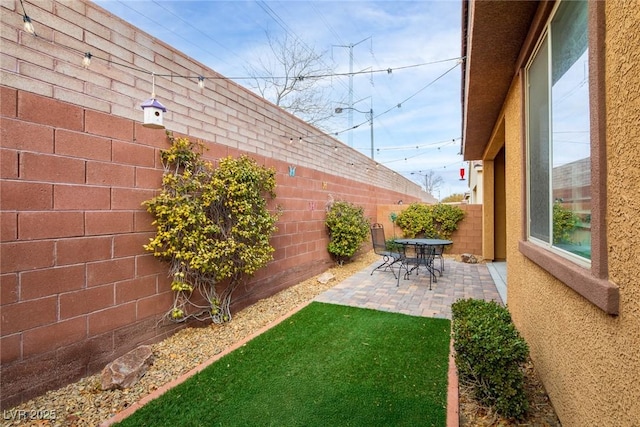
(28, 25)
(201, 82)
(86, 61)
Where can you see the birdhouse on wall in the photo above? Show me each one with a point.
(153, 112)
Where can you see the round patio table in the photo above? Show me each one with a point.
(425, 250)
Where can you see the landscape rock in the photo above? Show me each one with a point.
(469, 258)
(324, 278)
(127, 369)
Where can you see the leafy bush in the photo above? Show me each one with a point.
(564, 223)
(348, 228)
(213, 227)
(392, 246)
(431, 221)
(489, 355)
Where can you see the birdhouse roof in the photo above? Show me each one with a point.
(152, 102)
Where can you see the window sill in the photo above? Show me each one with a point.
(600, 292)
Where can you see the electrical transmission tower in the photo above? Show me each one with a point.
(350, 110)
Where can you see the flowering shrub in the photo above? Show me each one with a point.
(213, 227)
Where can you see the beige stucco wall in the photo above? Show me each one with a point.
(589, 361)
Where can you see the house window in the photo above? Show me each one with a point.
(558, 136)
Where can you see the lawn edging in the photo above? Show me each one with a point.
(453, 402)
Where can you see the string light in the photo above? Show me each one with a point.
(87, 57)
(28, 25)
(318, 76)
(86, 61)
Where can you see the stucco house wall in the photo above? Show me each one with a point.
(77, 288)
(588, 359)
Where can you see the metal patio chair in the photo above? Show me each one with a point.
(438, 251)
(414, 256)
(389, 257)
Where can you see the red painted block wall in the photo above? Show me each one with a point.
(77, 288)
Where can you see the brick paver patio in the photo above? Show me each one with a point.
(413, 297)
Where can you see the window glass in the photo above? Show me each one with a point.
(539, 145)
(558, 135)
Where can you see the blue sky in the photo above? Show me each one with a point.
(422, 134)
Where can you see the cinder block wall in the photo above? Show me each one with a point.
(77, 289)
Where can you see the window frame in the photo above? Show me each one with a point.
(545, 39)
(590, 281)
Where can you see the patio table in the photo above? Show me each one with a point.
(425, 250)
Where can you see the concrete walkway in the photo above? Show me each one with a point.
(498, 271)
(413, 297)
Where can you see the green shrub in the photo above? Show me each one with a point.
(212, 227)
(392, 246)
(348, 228)
(489, 355)
(564, 223)
(430, 221)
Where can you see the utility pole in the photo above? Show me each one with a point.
(371, 124)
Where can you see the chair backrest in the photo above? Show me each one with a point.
(377, 238)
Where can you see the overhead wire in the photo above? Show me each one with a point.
(159, 24)
(159, 4)
(398, 105)
(334, 134)
(440, 144)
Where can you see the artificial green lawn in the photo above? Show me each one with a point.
(327, 365)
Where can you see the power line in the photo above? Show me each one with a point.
(146, 16)
(198, 30)
(440, 144)
(398, 105)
